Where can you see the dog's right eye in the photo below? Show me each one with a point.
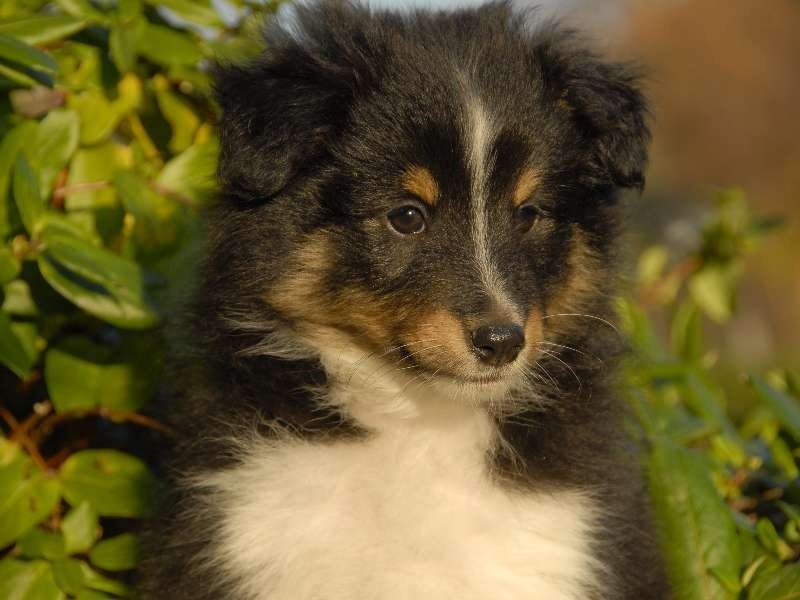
(407, 220)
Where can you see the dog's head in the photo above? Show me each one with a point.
(434, 191)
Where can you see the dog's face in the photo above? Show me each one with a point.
(439, 197)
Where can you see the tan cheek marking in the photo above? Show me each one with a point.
(298, 296)
(301, 297)
(419, 181)
(437, 340)
(533, 333)
(582, 283)
(526, 184)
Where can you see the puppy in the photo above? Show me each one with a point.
(394, 384)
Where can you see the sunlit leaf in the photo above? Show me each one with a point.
(27, 195)
(17, 51)
(786, 408)
(776, 584)
(80, 528)
(699, 537)
(113, 483)
(169, 47)
(28, 580)
(38, 543)
(55, 142)
(10, 145)
(119, 553)
(81, 374)
(98, 281)
(27, 495)
(43, 29)
(198, 12)
(192, 174)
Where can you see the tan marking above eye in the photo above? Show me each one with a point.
(419, 181)
(526, 184)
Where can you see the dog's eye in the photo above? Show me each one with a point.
(407, 220)
(527, 215)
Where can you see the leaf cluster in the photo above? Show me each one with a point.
(107, 152)
(724, 478)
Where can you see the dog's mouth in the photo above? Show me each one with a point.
(466, 376)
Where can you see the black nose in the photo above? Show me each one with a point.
(498, 345)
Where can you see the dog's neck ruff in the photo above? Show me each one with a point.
(409, 511)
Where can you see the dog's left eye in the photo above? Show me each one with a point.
(527, 215)
(407, 220)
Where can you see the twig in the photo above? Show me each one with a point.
(19, 434)
(85, 186)
(47, 425)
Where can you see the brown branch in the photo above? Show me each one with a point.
(51, 422)
(20, 435)
(86, 186)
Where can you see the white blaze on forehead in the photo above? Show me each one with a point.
(480, 135)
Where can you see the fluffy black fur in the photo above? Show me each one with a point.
(311, 132)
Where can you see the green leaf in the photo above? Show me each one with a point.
(771, 541)
(96, 581)
(69, 575)
(26, 194)
(192, 174)
(122, 45)
(178, 113)
(28, 580)
(119, 553)
(707, 403)
(75, 577)
(16, 51)
(13, 353)
(114, 483)
(698, 534)
(98, 281)
(27, 495)
(168, 47)
(38, 543)
(196, 12)
(82, 9)
(98, 117)
(80, 374)
(55, 142)
(10, 146)
(776, 584)
(43, 29)
(9, 266)
(786, 408)
(712, 290)
(18, 300)
(81, 528)
(91, 167)
(686, 333)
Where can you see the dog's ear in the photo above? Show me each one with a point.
(281, 112)
(278, 114)
(605, 100)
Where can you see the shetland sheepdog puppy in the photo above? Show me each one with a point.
(394, 381)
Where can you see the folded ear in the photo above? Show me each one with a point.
(281, 111)
(606, 102)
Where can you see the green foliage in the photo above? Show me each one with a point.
(725, 486)
(107, 153)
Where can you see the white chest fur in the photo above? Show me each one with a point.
(410, 513)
